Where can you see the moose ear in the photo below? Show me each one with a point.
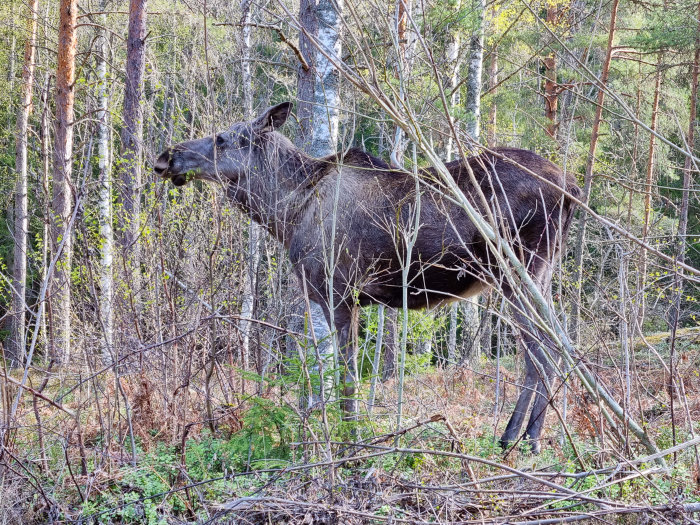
(273, 117)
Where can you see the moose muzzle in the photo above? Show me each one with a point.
(162, 168)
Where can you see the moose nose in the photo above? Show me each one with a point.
(162, 164)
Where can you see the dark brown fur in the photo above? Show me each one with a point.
(346, 221)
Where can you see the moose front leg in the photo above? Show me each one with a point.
(346, 320)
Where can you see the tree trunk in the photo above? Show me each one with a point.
(318, 91)
(588, 176)
(391, 339)
(493, 109)
(688, 171)
(105, 192)
(16, 350)
(453, 63)
(476, 63)
(306, 76)
(452, 336)
(648, 186)
(62, 202)
(326, 110)
(381, 309)
(254, 235)
(551, 88)
(132, 132)
(45, 200)
(473, 128)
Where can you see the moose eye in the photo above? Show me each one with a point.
(220, 140)
(243, 141)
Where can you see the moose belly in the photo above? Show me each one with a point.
(428, 288)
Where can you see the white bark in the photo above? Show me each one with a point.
(105, 193)
(453, 54)
(473, 108)
(453, 62)
(327, 86)
(476, 60)
(254, 236)
(377, 357)
(324, 136)
(17, 351)
(452, 336)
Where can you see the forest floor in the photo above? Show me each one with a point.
(265, 460)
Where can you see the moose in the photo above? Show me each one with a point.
(348, 221)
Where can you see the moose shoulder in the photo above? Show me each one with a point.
(348, 220)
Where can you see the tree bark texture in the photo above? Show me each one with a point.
(551, 88)
(491, 141)
(391, 343)
(16, 350)
(62, 201)
(590, 163)
(318, 91)
(648, 189)
(476, 65)
(105, 193)
(132, 132)
(688, 170)
(306, 77)
(254, 233)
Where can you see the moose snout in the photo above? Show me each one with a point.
(162, 164)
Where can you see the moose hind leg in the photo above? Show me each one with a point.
(539, 409)
(538, 370)
(515, 423)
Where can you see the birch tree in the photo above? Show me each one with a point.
(62, 201)
(16, 350)
(473, 129)
(105, 189)
(318, 91)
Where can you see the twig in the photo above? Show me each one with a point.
(38, 394)
(304, 64)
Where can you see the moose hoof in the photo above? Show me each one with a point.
(530, 445)
(534, 446)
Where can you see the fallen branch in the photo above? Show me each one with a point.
(38, 394)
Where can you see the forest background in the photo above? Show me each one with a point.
(164, 348)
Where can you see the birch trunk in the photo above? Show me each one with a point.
(105, 193)
(452, 336)
(16, 350)
(473, 129)
(254, 236)
(476, 63)
(62, 201)
(493, 109)
(318, 90)
(453, 63)
(377, 357)
(326, 110)
(391, 346)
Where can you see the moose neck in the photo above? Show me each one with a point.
(276, 189)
